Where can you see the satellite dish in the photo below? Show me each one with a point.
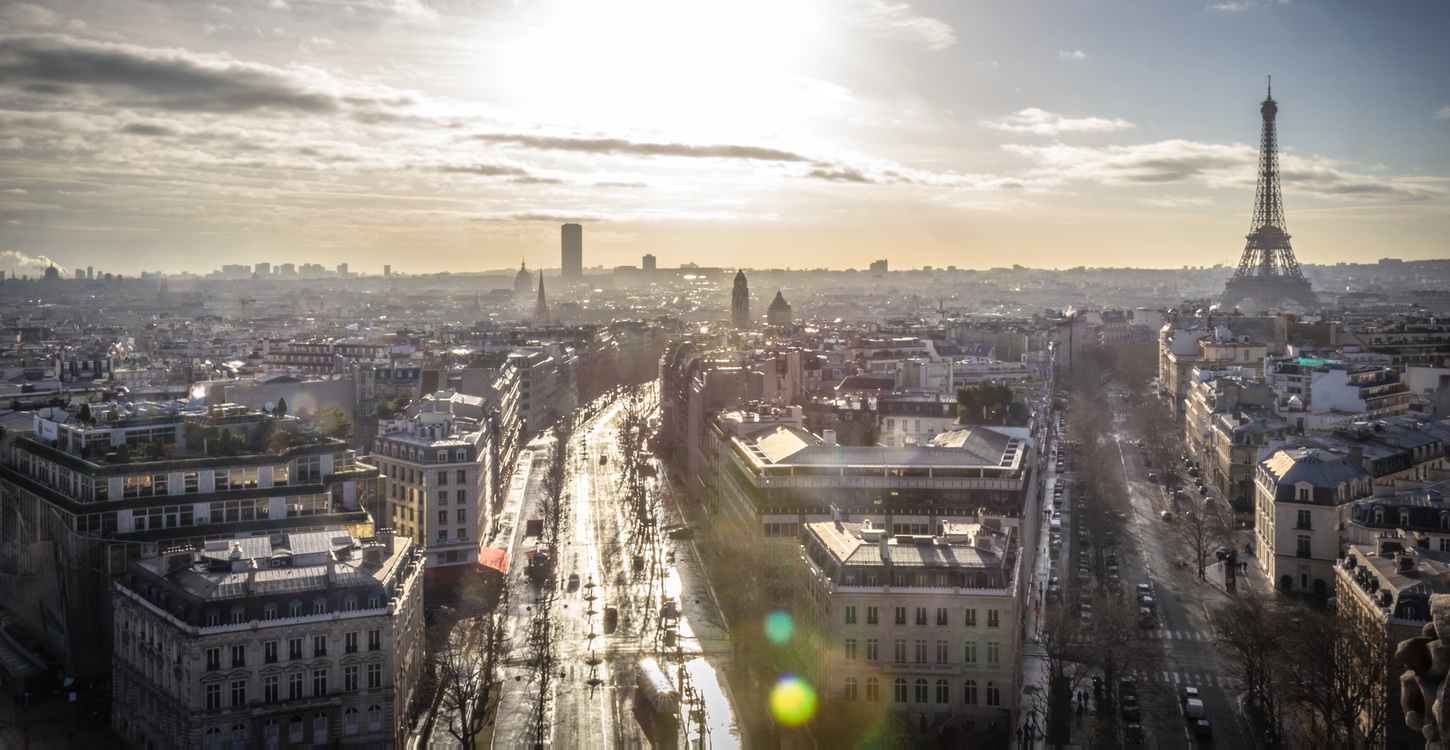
(269, 406)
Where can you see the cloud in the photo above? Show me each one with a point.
(1042, 122)
(1234, 6)
(636, 148)
(1074, 55)
(839, 174)
(16, 191)
(487, 170)
(27, 14)
(169, 79)
(1176, 201)
(1213, 165)
(11, 143)
(897, 21)
(142, 128)
(1443, 113)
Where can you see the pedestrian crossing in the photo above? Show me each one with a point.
(1179, 635)
(1195, 679)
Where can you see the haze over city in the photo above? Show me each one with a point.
(447, 136)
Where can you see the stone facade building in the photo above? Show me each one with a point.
(285, 640)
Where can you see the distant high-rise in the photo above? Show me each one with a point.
(387, 272)
(649, 264)
(573, 252)
(262, 270)
(341, 270)
(879, 266)
(740, 302)
(90, 273)
(1268, 273)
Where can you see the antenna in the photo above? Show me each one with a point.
(1271, 87)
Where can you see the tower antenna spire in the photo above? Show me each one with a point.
(1271, 87)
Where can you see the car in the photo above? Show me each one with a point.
(1133, 733)
(670, 610)
(1146, 618)
(1222, 553)
(1193, 709)
(573, 581)
(680, 532)
(1147, 602)
(1131, 711)
(1203, 730)
(1166, 515)
(1128, 686)
(1111, 558)
(1188, 693)
(611, 619)
(1145, 589)
(1153, 477)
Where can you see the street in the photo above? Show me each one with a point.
(624, 564)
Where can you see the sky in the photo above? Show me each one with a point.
(457, 135)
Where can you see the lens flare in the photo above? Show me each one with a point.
(778, 627)
(792, 701)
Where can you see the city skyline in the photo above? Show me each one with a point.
(139, 136)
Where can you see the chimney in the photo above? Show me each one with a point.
(1356, 452)
(829, 436)
(885, 553)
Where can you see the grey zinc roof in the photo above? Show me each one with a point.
(1316, 466)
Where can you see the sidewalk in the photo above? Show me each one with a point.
(52, 722)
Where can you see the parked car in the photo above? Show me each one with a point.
(1203, 730)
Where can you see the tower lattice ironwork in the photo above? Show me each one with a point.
(1268, 273)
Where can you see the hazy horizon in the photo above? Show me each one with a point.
(450, 136)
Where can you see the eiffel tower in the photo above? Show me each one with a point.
(1268, 274)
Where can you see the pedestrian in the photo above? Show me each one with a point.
(1019, 735)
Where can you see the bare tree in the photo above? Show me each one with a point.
(1251, 638)
(1338, 667)
(1202, 529)
(467, 655)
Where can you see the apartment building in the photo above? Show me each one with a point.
(94, 487)
(438, 476)
(920, 624)
(306, 639)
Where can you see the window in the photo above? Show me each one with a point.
(239, 656)
(271, 735)
(319, 606)
(970, 656)
(872, 652)
(269, 611)
(294, 608)
(319, 645)
(971, 617)
(994, 653)
(850, 649)
(349, 603)
(213, 659)
(994, 696)
(941, 652)
(899, 651)
(214, 739)
(319, 728)
(1444, 544)
(943, 693)
(898, 690)
(1303, 494)
(213, 618)
(375, 637)
(349, 642)
(442, 516)
(349, 677)
(992, 618)
(1303, 522)
(1303, 548)
(271, 688)
(969, 693)
(375, 675)
(941, 615)
(462, 497)
(294, 686)
(850, 615)
(350, 721)
(294, 648)
(921, 615)
(871, 616)
(920, 651)
(901, 615)
(442, 477)
(850, 688)
(920, 690)
(375, 718)
(319, 682)
(213, 696)
(294, 730)
(239, 693)
(873, 689)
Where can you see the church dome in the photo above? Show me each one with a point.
(524, 281)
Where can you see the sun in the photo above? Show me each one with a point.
(691, 69)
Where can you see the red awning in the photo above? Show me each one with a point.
(497, 559)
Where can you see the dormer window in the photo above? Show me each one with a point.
(1303, 494)
(1404, 518)
(1379, 516)
(1444, 521)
